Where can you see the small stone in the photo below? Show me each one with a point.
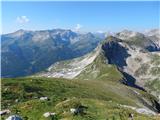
(3, 112)
(44, 98)
(14, 117)
(47, 114)
(73, 110)
(16, 100)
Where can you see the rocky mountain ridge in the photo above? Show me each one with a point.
(134, 54)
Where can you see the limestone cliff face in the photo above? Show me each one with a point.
(138, 58)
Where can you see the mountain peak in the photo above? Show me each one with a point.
(153, 32)
(111, 39)
(126, 34)
(18, 33)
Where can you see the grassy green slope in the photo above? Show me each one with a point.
(100, 70)
(101, 98)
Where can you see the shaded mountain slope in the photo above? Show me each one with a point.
(27, 52)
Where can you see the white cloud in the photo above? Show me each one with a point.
(100, 31)
(78, 27)
(22, 19)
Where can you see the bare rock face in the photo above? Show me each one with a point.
(154, 35)
(115, 52)
(146, 42)
(138, 58)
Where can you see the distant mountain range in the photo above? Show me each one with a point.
(27, 52)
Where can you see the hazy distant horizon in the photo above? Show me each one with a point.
(107, 31)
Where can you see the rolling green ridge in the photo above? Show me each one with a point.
(100, 70)
(102, 99)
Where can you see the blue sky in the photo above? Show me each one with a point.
(80, 16)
